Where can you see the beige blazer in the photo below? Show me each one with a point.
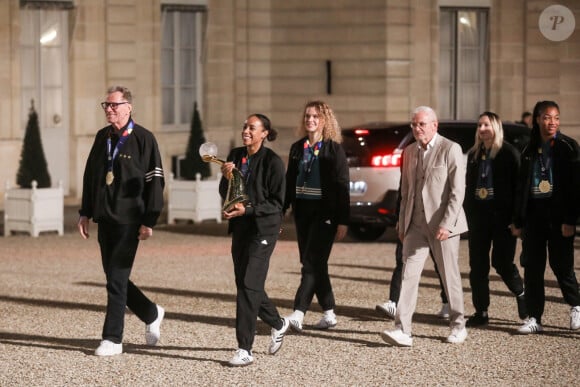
(443, 191)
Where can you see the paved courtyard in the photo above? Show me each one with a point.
(52, 301)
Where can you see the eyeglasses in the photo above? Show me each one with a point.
(421, 125)
(112, 105)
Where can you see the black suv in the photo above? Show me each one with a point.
(374, 153)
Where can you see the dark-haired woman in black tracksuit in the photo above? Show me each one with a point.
(255, 227)
(547, 207)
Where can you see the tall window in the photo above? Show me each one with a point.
(463, 89)
(44, 79)
(181, 71)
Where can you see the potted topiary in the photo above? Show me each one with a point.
(34, 206)
(193, 164)
(194, 197)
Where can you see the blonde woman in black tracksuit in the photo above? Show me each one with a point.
(491, 180)
(317, 188)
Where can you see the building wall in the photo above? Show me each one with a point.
(551, 68)
(525, 67)
(270, 56)
(384, 57)
(220, 116)
(113, 42)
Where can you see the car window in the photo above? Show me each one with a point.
(361, 144)
(361, 147)
(464, 135)
(517, 135)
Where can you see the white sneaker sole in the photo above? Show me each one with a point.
(295, 327)
(391, 340)
(152, 338)
(384, 312)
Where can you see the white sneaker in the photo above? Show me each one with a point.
(389, 309)
(575, 318)
(108, 348)
(153, 331)
(397, 338)
(277, 337)
(241, 358)
(444, 312)
(327, 321)
(457, 336)
(530, 326)
(295, 324)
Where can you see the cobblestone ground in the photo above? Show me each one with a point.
(52, 301)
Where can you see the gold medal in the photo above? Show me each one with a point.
(544, 186)
(482, 193)
(109, 178)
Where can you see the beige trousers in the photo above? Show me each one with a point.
(418, 240)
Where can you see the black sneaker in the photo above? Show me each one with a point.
(522, 309)
(478, 319)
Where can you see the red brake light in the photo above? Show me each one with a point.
(390, 160)
(361, 132)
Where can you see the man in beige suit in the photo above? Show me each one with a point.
(431, 217)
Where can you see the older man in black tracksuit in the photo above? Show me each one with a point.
(122, 192)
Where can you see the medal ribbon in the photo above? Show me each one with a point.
(245, 168)
(484, 188)
(124, 136)
(485, 165)
(542, 185)
(310, 154)
(544, 164)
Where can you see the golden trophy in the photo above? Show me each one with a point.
(236, 186)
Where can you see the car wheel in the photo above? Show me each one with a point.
(365, 233)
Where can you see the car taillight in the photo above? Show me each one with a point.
(390, 160)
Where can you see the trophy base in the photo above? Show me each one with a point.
(231, 203)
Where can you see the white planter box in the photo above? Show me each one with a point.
(195, 200)
(33, 210)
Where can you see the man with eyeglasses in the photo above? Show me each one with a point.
(431, 217)
(123, 193)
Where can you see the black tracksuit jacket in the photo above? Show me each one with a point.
(564, 203)
(505, 168)
(334, 180)
(265, 186)
(136, 194)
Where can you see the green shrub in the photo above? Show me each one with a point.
(33, 164)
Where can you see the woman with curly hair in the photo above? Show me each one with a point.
(317, 188)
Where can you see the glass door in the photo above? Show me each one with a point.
(463, 66)
(44, 66)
